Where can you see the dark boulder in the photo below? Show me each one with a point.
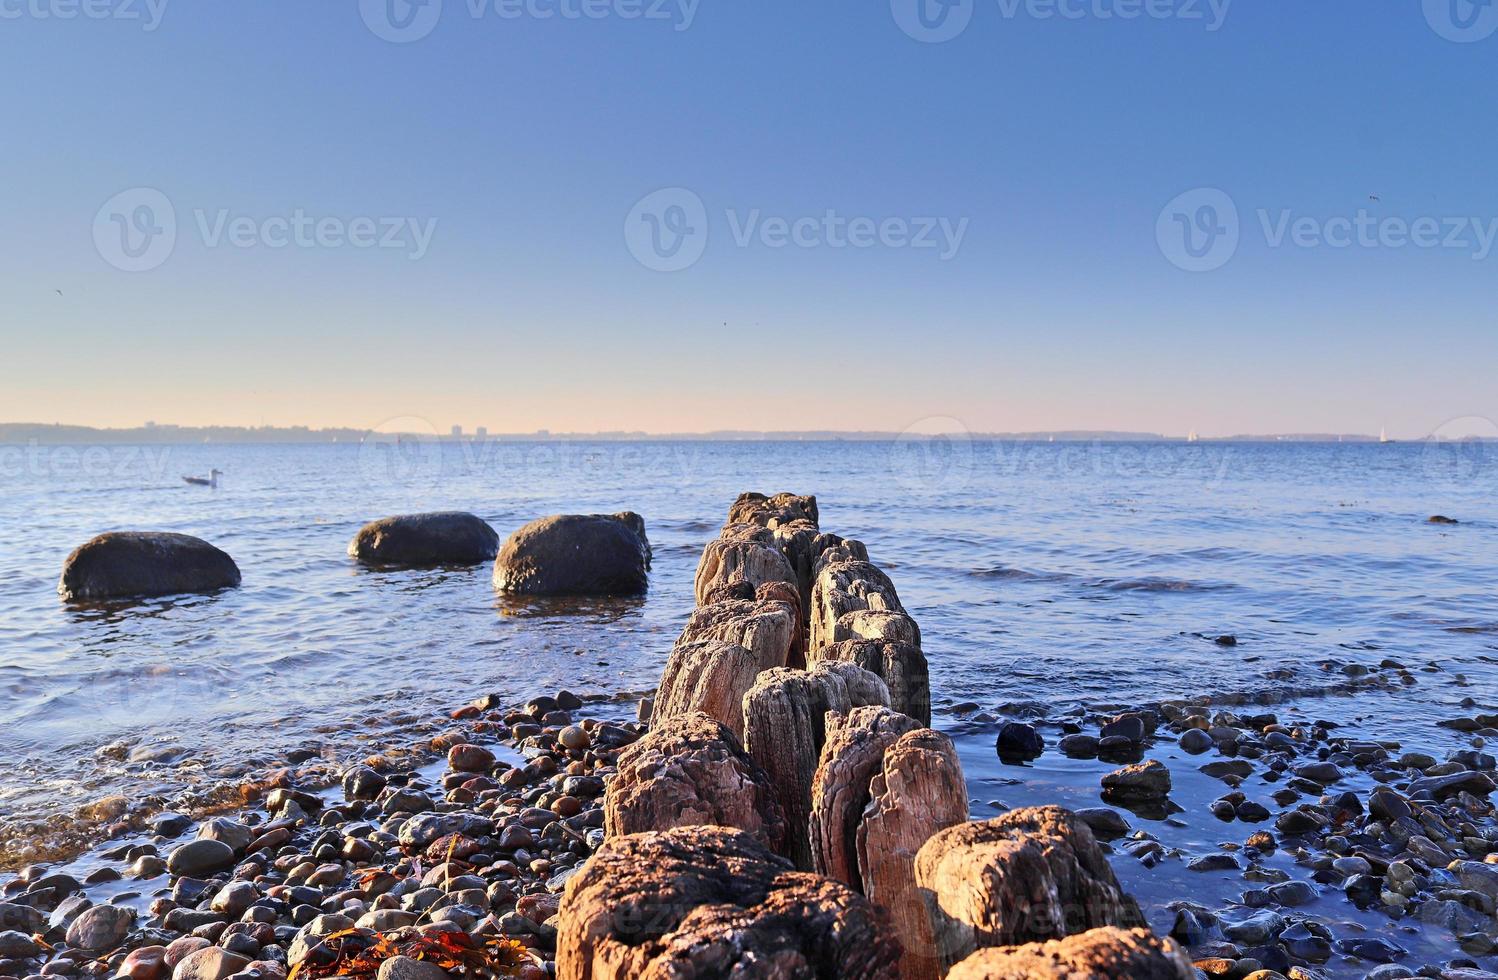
(575, 554)
(139, 564)
(416, 540)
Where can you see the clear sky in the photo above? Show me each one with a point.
(981, 207)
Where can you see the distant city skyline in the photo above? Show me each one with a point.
(778, 216)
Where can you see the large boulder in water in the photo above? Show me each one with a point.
(140, 564)
(576, 554)
(415, 540)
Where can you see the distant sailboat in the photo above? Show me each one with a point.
(1383, 436)
(1193, 437)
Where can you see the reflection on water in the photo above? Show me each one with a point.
(1054, 574)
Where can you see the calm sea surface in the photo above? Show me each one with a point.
(1058, 574)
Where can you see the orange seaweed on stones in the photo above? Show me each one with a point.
(358, 953)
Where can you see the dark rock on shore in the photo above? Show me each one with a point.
(576, 554)
(417, 540)
(142, 564)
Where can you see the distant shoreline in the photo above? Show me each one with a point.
(26, 433)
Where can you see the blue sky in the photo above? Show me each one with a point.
(502, 157)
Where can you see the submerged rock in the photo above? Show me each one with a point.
(141, 564)
(415, 540)
(576, 554)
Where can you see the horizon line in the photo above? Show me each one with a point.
(336, 434)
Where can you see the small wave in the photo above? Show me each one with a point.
(1005, 573)
(1154, 584)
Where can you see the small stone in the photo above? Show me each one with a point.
(1293, 822)
(1019, 741)
(1145, 781)
(1293, 893)
(1079, 746)
(210, 963)
(362, 783)
(1324, 773)
(1256, 930)
(145, 963)
(1214, 862)
(17, 946)
(101, 928)
(200, 858)
(1349, 866)
(1130, 727)
(1105, 823)
(170, 824)
(405, 968)
(470, 758)
(574, 738)
(1195, 741)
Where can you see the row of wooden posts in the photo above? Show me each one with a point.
(796, 707)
